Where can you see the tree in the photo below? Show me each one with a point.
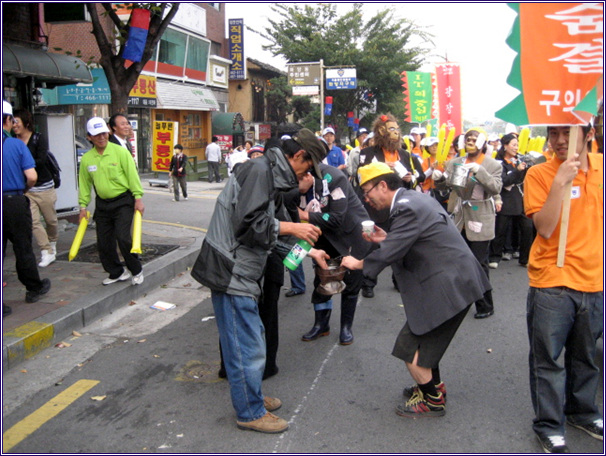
(379, 49)
(120, 78)
(277, 99)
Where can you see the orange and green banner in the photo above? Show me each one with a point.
(418, 96)
(559, 65)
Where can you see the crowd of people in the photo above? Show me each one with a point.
(481, 204)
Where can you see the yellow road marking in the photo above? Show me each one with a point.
(176, 224)
(48, 411)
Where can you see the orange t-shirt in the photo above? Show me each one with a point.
(428, 183)
(583, 265)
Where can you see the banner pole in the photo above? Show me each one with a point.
(572, 148)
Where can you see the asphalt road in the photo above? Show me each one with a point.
(158, 391)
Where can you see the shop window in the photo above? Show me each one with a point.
(191, 130)
(197, 54)
(172, 48)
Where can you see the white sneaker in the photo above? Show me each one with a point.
(53, 248)
(47, 258)
(185, 199)
(138, 279)
(125, 276)
(493, 265)
(506, 257)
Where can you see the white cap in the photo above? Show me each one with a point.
(285, 137)
(416, 131)
(493, 137)
(96, 125)
(7, 109)
(428, 142)
(328, 130)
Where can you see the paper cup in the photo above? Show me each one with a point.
(368, 227)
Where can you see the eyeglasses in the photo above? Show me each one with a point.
(392, 129)
(365, 194)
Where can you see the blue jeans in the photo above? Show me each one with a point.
(297, 279)
(242, 337)
(561, 318)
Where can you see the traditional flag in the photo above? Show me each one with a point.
(137, 35)
(559, 65)
(328, 106)
(418, 96)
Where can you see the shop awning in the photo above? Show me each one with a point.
(53, 69)
(175, 95)
(227, 123)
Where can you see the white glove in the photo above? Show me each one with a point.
(473, 167)
(437, 175)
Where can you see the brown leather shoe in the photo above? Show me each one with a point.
(271, 403)
(268, 424)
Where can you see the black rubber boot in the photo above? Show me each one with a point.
(321, 327)
(348, 310)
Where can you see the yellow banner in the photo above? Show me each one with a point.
(162, 145)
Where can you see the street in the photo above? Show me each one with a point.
(145, 381)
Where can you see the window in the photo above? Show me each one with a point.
(172, 48)
(197, 54)
(216, 6)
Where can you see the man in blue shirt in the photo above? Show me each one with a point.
(335, 156)
(19, 175)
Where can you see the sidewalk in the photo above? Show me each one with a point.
(77, 296)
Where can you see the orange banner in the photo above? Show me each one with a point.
(562, 58)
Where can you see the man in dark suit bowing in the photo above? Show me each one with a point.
(437, 275)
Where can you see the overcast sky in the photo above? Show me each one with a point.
(471, 34)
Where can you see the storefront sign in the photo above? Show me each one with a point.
(96, 93)
(264, 132)
(237, 69)
(143, 93)
(225, 142)
(162, 145)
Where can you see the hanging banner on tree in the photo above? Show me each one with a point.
(418, 96)
(559, 65)
(448, 90)
(137, 35)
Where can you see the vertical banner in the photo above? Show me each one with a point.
(162, 145)
(448, 89)
(418, 96)
(237, 69)
(137, 35)
(559, 64)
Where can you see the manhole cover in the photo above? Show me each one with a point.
(90, 254)
(197, 371)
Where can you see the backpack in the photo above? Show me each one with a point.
(54, 168)
(51, 162)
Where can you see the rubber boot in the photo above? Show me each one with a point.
(348, 310)
(321, 327)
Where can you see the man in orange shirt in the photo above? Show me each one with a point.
(565, 307)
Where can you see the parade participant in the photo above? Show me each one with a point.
(387, 149)
(18, 175)
(429, 165)
(565, 306)
(511, 217)
(111, 170)
(243, 230)
(417, 134)
(354, 157)
(473, 204)
(419, 232)
(338, 212)
(335, 155)
(42, 196)
(178, 172)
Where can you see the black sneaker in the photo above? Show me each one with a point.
(6, 311)
(33, 296)
(553, 443)
(594, 429)
(411, 390)
(368, 292)
(419, 406)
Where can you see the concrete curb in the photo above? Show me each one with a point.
(28, 340)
